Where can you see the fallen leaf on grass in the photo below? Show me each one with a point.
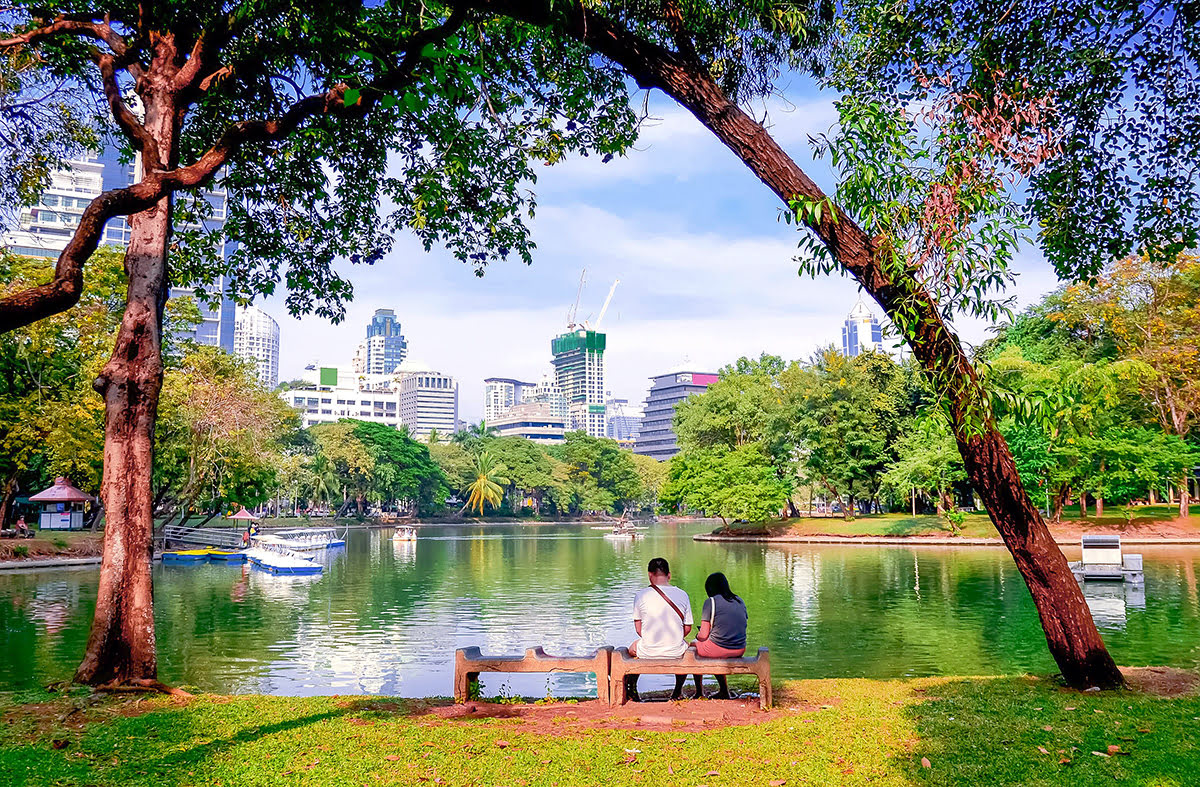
(777, 782)
(392, 757)
(1070, 707)
(1047, 728)
(1100, 754)
(501, 744)
(925, 763)
(630, 759)
(1143, 731)
(59, 743)
(713, 773)
(1042, 749)
(1063, 761)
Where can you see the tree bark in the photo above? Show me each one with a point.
(1070, 631)
(1083, 508)
(1099, 504)
(1183, 496)
(121, 646)
(6, 501)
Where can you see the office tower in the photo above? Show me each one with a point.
(624, 419)
(861, 331)
(500, 394)
(45, 229)
(385, 347)
(256, 338)
(656, 437)
(578, 359)
(532, 420)
(332, 394)
(548, 393)
(428, 399)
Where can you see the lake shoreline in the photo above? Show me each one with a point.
(961, 541)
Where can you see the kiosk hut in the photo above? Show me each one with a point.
(62, 506)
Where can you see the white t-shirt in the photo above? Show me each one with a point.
(662, 630)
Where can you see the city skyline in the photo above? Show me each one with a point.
(707, 272)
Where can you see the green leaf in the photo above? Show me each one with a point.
(351, 97)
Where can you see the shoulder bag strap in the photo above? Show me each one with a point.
(678, 611)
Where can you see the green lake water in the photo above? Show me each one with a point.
(386, 618)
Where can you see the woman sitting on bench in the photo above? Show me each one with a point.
(722, 632)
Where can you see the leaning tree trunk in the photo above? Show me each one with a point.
(1071, 633)
(1184, 491)
(121, 646)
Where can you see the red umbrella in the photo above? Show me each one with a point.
(242, 514)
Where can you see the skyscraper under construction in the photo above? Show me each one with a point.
(579, 373)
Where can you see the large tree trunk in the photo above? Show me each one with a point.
(1070, 631)
(1082, 504)
(121, 646)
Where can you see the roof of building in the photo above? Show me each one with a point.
(861, 311)
(61, 492)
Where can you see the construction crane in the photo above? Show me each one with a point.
(607, 301)
(575, 306)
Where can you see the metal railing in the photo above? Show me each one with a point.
(204, 536)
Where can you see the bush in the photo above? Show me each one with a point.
(20, 550)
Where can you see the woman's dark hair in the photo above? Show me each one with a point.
(718, 585)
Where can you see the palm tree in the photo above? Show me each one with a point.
(325, 480)
(488, 484)
(434, 436)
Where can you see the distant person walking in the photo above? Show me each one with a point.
(662, 617)
(722, 632)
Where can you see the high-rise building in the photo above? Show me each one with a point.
(579, 373)
(624, 419)
(385, 347)
(656, 438)
(500, 394)
(548, 393)
(256, 338)
(428, 399)
(861, 332)
(45, 229)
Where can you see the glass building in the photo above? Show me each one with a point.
(861, 332)
(656, 436)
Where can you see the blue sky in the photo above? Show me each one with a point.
(706, 269)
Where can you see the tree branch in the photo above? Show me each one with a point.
(142, 141)
(30, 305)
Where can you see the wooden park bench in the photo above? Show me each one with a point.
(469, 662)
(623, 664)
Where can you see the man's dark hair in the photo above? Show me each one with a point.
(658, 566)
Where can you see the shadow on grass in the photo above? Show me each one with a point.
(173, 743)
(1031, 731)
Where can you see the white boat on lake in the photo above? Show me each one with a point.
(405, 534)
(303, 539)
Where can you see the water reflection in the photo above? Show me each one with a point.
(385, 617)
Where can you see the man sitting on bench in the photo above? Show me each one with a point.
(662, 617)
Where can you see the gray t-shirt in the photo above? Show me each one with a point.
(728, 619)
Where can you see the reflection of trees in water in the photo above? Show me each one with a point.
(385, 617)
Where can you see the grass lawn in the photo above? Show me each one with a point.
(969, 730)
(1145, 521)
